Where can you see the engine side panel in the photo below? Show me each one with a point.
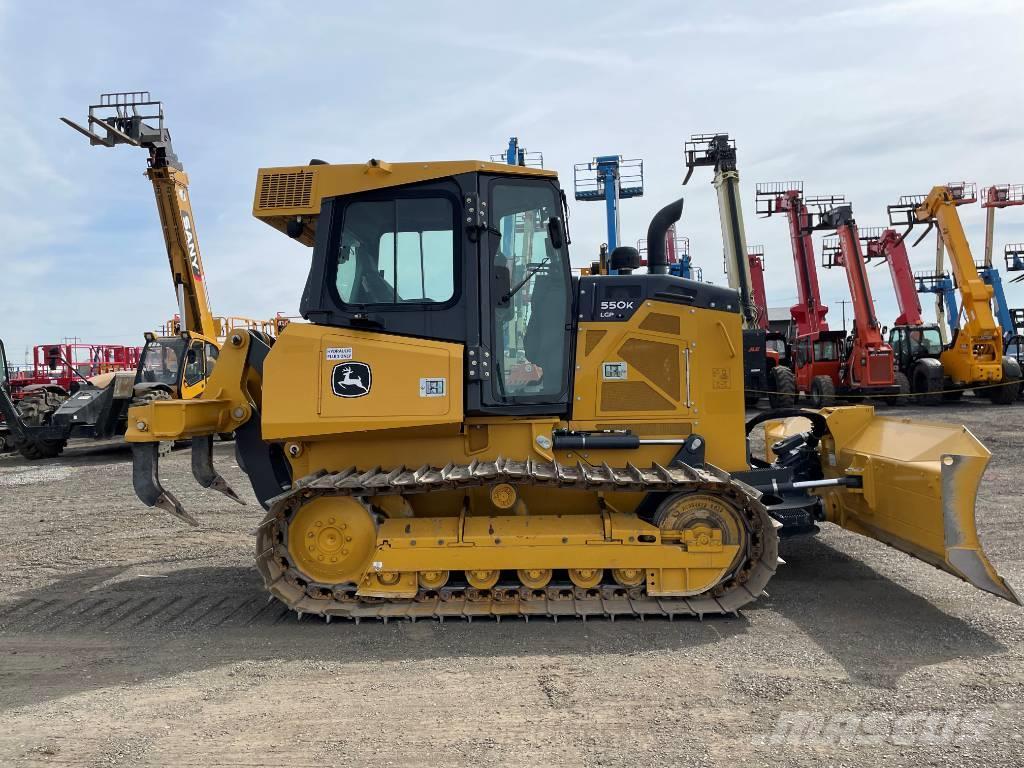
(321, 381)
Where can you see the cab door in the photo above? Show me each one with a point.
(526, 323)
(194, 374)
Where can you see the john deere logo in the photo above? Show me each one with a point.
(351, 379)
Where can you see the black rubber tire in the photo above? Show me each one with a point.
(903, 383)
(1007, 393)
(37, 409)
(782, 383)
(927, 384)
(823, 392)
(34, 449)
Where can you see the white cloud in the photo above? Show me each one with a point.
(869, 99)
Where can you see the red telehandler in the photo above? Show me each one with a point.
(867, 367)
(816, 350)
(916, 345)
(824, 363)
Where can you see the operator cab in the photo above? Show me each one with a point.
(179, 364)
(474, 258)
(911, 343)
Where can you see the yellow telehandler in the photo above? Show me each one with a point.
(464, 428)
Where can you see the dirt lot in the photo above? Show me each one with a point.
(127, 639)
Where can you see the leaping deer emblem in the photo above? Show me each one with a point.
(348, 380)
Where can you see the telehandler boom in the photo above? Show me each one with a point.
(765, 372)
(408, 471)
(136, 119)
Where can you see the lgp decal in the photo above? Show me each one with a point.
(351, 379)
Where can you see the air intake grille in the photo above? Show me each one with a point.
(286, 190)
(593, 339)
(661, 323)
(657, 361)
(632, 396)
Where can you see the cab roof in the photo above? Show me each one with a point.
(293, 194)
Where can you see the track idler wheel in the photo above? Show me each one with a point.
(702, 518)
(331, 540)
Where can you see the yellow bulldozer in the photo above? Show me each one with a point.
(464, 428)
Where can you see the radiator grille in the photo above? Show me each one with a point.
(286, 190)
(632, 396)
(656, 360)
(879, 369)
(660, 323)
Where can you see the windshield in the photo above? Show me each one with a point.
(530, 318)
(825, 351)
(926, 341)
(397, 251)
(161, 361)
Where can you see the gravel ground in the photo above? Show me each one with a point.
(129, 640)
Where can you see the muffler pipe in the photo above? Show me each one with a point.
(657, 260)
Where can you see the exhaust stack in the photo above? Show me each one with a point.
(657, 261)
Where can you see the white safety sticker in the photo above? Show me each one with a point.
(433, 387)
(614, 371)
(339, 353)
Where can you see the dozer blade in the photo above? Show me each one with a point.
(146, 479)
(920, 482)
(203, 471)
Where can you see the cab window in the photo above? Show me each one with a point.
(195, 364)
(825, 351)
(397, 252)
(532, 276)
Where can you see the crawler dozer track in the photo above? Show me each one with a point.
(512, 598)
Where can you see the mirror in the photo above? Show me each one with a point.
(556, 232)
(502, 285)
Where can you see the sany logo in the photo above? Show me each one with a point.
(617, 304)
(190, 245)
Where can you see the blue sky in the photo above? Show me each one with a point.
(872, 100)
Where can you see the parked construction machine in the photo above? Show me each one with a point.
(766, 372)
(867, 361)
(175, 364)
(913, 342)
(407, 472)
(974, 357)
